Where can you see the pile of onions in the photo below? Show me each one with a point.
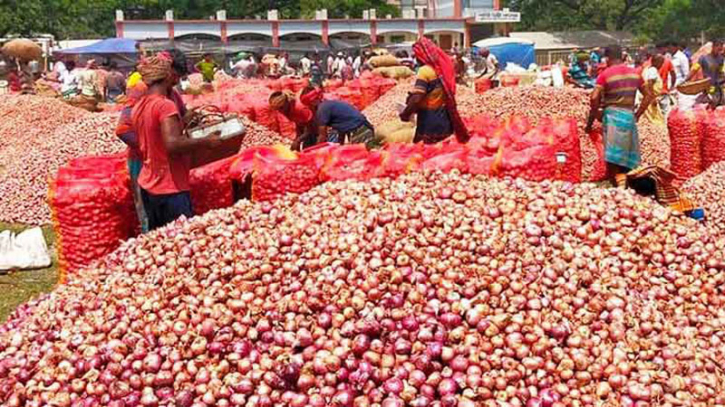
(707, 190)
(39, 146)
(429, 290)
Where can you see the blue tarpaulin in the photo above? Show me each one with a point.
(510, 50)
(108, 46)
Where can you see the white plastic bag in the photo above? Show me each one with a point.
(26, 250)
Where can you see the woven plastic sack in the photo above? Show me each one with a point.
(685, 142)
(383, 61)
(713, 140)
(211, 186)
(274, 177)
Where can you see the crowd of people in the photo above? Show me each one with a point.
(663, 68)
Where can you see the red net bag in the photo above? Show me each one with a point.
(568, 149)
(534, 164)
(594, 156)
(92, 214)
(480, 162)
(401, 162)
(211, 186)
(243, 163)
(265, 116)
(286, 126)
(713, 140)
(448, 161)
(483, 84)
(685, 139)
(274, 177)
(362, 168)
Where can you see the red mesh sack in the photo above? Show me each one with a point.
(92, 215)
(362, 168)
(599, 165)
(685, 139)
(321, 152)
(713, 140)
(274, 177)
(211, 186)
(534, 164)
(568, 148)
(447, 162)
(243, 163)
(401, 162)
(480, 162)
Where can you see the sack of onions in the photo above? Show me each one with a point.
(685, 138)
(713, 138)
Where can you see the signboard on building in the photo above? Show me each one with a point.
(496, 16)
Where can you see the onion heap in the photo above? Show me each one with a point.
(385, 108)
(708, 191)
(537, 103)
(30, 163)
(429, 290)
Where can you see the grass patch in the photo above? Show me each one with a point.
(19, 286)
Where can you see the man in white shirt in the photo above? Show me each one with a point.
(330, 65)
(491, 61)
(357, 65)
(88, 80)
(240, 68)
(680, 62)
(305, 65)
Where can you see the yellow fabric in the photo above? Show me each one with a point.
(427, 73)
(654, 113)
(434, 95)
(133, 80)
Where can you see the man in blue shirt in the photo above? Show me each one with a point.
(341, 117)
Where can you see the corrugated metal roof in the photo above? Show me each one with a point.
(574, 39)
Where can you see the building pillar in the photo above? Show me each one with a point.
(170, 30)
(373, 32)
(275, 33)
(497, 4)
(325, 32)
(223, 29)
(421, 28)
(457, 8)
(467, 36)
(119, 29)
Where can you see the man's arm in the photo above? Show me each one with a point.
(176, 143)
(412, 106)
(647, 89)
(594, 103)
(322, 133)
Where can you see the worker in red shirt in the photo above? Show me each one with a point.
(299, 114)
(165, 150)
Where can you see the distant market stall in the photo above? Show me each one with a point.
(122, 51)
(509, 50)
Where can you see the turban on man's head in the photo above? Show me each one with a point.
(154, 69)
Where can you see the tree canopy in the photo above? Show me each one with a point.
(653, 20)
(71, 19)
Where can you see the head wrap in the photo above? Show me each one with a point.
(430, 54)
(278, 99)
(154, 69)
(310, 97)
